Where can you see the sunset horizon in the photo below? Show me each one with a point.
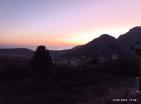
(64, 24)
(70, 51)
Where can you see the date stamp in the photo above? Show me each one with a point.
(124, 100)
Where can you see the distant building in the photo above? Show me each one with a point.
(114, 57)
(75, 62)
(60, 61)
(101, 59)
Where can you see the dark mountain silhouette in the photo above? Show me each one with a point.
(131, 38)
(105, 45)
(16, 52)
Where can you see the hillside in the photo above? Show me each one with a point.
(103, 46)
(16, 52)
(131, 38)
(106, 45)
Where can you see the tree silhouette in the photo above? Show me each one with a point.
(41, 66)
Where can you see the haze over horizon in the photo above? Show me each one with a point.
(62, 24)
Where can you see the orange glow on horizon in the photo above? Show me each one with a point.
(33, 41)
(76, 38)
(65, 23)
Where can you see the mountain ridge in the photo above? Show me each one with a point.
(106, 45)
(102, 46)
(16, 52)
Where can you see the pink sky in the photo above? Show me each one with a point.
(61, 24)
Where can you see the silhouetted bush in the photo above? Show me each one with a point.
(41, 65)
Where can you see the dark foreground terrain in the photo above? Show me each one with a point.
(87, 83)
(23, 93)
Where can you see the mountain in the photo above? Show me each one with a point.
(103, 46)
(131, 38)
(16, 52)
(106, 46)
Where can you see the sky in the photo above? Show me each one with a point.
(63, 24)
